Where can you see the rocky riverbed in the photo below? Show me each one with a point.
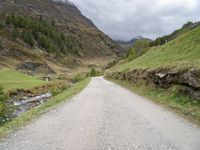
(27, 103)
(18, 106)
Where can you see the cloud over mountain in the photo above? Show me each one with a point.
(124, 19)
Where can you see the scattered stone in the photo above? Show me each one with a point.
(192, 78)
(195, 94)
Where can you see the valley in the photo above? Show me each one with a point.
(53, 33)
(62, 79)
(47, 50)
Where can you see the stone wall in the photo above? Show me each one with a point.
(187, 80)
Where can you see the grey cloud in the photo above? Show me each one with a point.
(125, 19)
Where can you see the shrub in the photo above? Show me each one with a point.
(77, 78)
(93, 72)
(28, 38)
(8, 20)
(3, 106)
(131, 54)
(2, 25)
(1, 44)
(139, 48)
(15, 33)
(111, 64)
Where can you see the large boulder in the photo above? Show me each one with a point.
(191, 78)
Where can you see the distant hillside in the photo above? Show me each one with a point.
(55, 33)
(139, 48)
(127, 44)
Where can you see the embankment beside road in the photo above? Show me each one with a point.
(172, 96)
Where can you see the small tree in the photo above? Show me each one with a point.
(1, 44)
(93, 72)
(15, 33)
(8, 20)
(52, 23)
(1, 25)
(131, 54)
(3, 106)
(28, 38)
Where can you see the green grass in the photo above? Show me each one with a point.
(34, 113)
(181, 53)
(168, 98)
(11, 79)
(139, 48)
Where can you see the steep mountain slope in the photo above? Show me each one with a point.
(127, 44)
(44, 27)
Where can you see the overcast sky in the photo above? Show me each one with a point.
(125, 19)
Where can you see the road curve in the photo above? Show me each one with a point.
(106, 116)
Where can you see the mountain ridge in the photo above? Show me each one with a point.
(88, 41)
(127, 44)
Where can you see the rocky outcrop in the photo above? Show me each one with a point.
(35, 67)
(188, 80)
(165, 78)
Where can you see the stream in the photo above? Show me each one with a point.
(27, 103)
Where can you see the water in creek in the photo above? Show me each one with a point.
(27, 103)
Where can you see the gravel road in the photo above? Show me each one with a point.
(106, 116)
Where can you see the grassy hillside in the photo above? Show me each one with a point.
(166, 38)
(178, 88)
(11, 79)
(181, 53)
(164, 74)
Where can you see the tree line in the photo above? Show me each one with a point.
(166, 38)
(41, 32)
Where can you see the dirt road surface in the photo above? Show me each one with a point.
(106, 116)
